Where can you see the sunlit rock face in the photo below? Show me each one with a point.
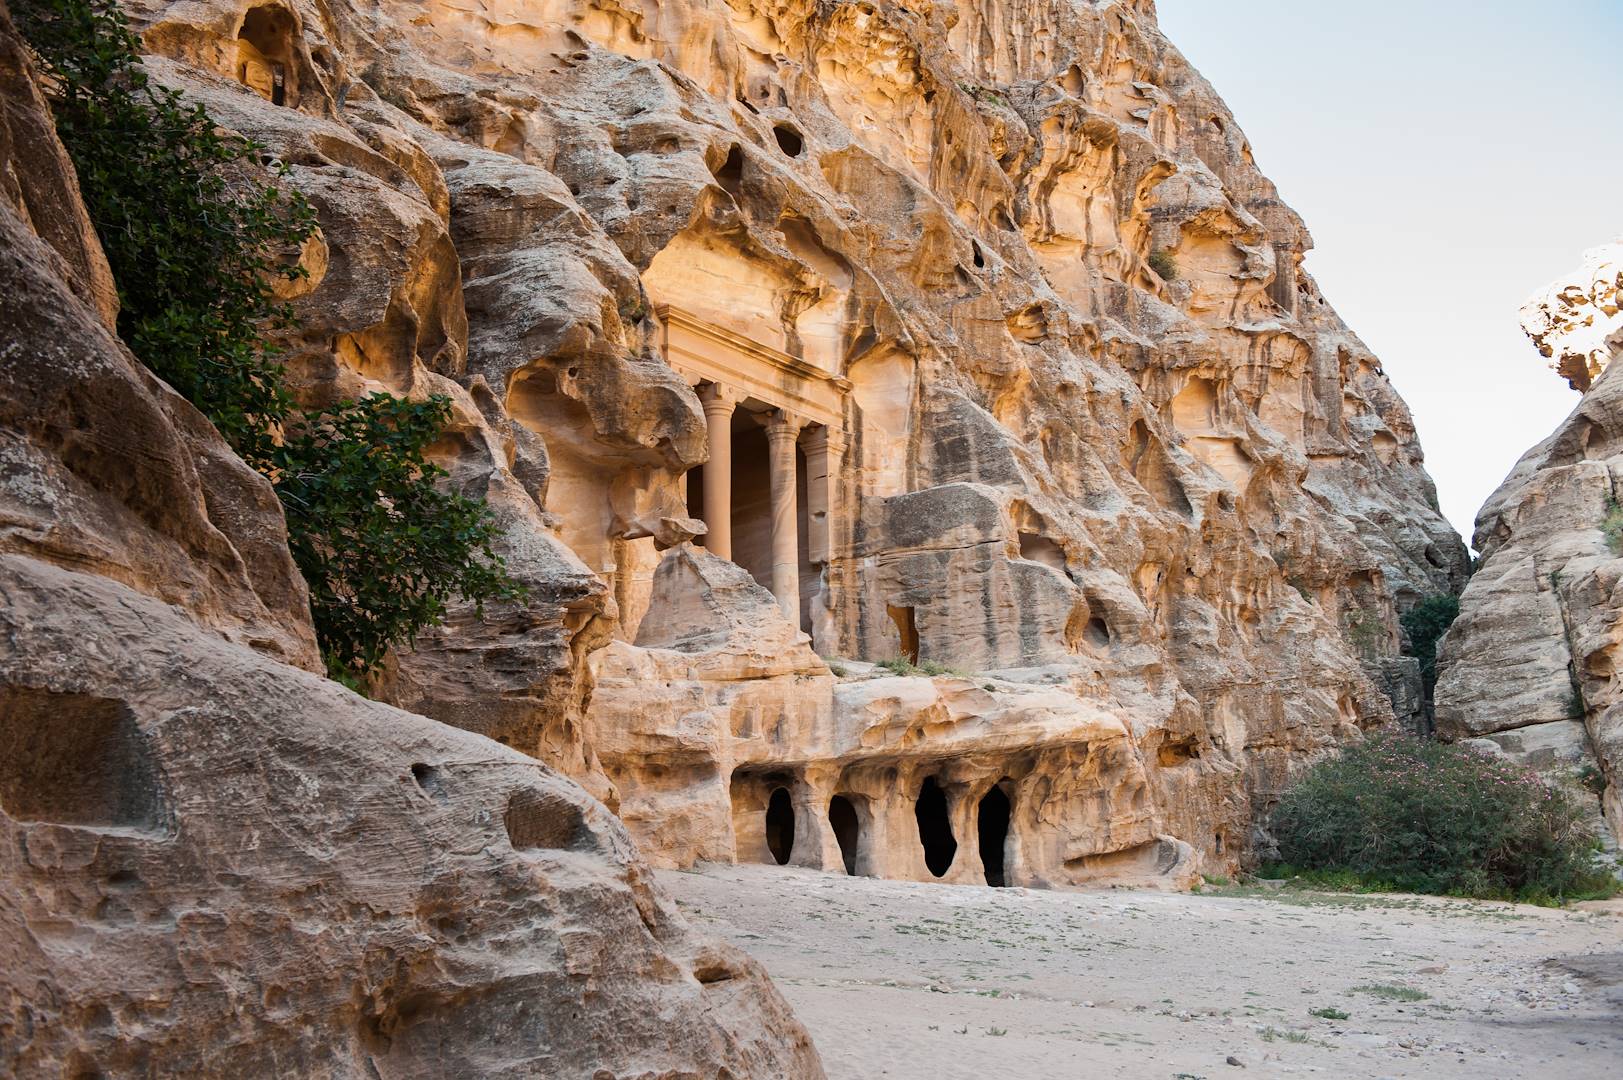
(215, 862)
(1010, 352)
(1530, 667)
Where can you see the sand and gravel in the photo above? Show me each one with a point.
(935, 982)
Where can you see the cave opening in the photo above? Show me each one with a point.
(842, 818)
(780, 825)
(993, 826)
(789, 140)
(935, 827)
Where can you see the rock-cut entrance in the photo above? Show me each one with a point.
(935, 827)
(992, 818)
(780, 826)
(842, 818)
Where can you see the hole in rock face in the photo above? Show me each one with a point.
(780, 826)
(992, 822)
(731, 174)
(908, 631)
(428, 779)
(1217, 843)
(73, 759)
(1041, 549)
(842, 818)
(935, 827)
(980, 256)
(1098, 633)
(542, 820)
(789, 140)
(265, 53)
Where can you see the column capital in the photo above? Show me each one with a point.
(821, 438)
(717, 398)
(783, 424)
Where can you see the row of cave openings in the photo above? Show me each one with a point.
(940, 847)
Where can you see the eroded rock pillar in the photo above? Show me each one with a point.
(719, 403)
(782, 430)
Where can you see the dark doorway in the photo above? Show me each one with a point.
(935, 827)
(993, 817)
(842, 818)
(780, 826)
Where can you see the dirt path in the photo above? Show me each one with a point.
(938, 982)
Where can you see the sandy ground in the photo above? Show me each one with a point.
(937, 982)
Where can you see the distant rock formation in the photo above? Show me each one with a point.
(1530, 666)
(216, 863)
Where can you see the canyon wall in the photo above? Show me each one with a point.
(1530, 667)
(1013, 354)
(215, 862)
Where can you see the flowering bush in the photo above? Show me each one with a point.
(1406, 813)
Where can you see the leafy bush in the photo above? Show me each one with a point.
(381, 546)
(1612, 525)
(194, 243)
(1425, 624)
(1401, 812)
(197, 241)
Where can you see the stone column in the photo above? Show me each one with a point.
(719, 403)
(782, 429)
(823, 449)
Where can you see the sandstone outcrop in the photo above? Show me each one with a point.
(215, 863)
(1530, 665)
(973, 334)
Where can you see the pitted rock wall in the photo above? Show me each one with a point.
(214, 862)
(1109, 454)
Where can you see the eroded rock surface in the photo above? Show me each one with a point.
(1530, 667)
(998, 286)
(215, 863)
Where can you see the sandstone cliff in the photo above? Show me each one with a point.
(1530, 665)
(1013, 353)
(214, 863)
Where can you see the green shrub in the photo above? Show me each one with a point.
(1421, 816)
(194, 242)
(1425, 624)
(1165, 264)
(1612, 525)
(382, 547)
(197, 240)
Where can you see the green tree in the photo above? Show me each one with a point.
(194, 242)
(197, 239)
(381, 545)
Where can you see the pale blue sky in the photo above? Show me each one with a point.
(1450, 157)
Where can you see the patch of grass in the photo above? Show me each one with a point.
(1269, 1034)
(1330, 1013)
(929, 668)
(997, 1032)
(1389, 992)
